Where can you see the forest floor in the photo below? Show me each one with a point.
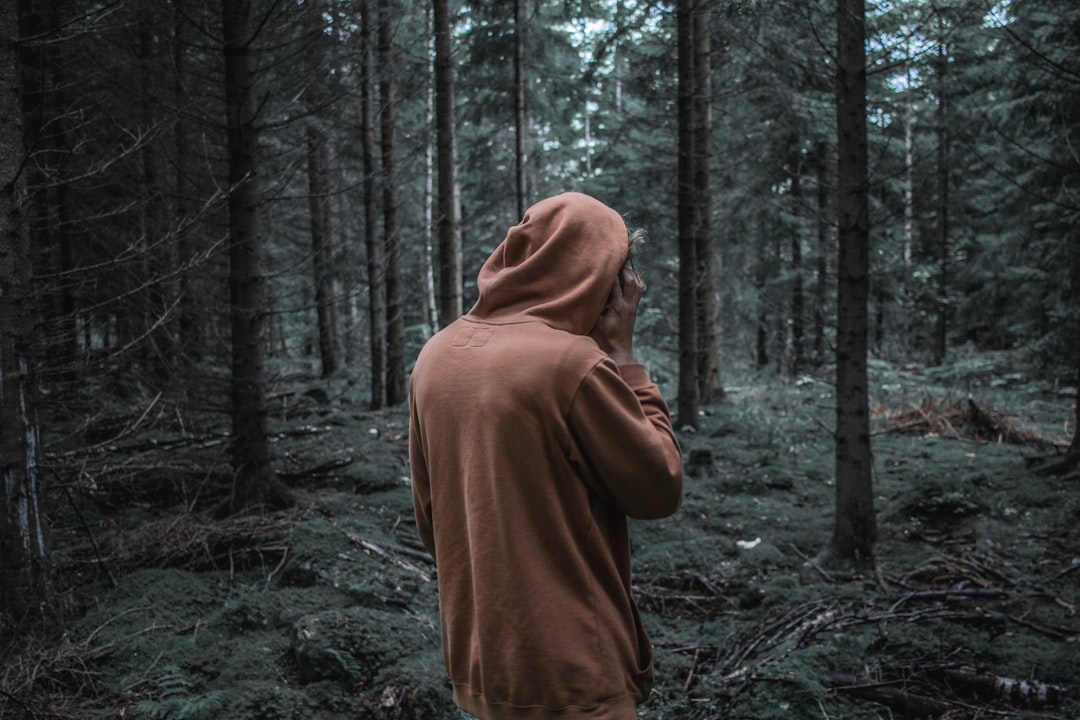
(329, 610)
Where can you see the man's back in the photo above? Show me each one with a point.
(529, 446)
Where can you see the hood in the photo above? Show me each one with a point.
(557, 265)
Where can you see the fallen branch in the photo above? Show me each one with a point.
(812, 563)
(962, 420)
(197, 546)
(947, 595)
(893, 694)
(771, 641)
(1015, 692)
(373, 548)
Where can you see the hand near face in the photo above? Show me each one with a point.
(614, 330)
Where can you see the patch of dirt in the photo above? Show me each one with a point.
(330, 609)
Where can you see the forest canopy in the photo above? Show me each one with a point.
(972, 122)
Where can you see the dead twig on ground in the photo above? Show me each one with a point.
(947, 595)
(812, 563)
(1030, 693)
(963, 420)
(371, 547)
(686, 593)
(895, 694)
(195, 545)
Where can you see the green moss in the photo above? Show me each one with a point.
(745, 623)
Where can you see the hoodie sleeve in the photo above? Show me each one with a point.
(625, 442)
(420, 482)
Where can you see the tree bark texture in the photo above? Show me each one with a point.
(22, 536)
(395, 324)
(321, 251)
(710, 388)
(158, 348)
(374, 248)
(187, 242)
(855, 527)
(822, 271)
(449, 203)
(1071, 118)
(779, 318)
(46, 128)
(687, 397)
(908, 303)
(761, 345)
(520, 127)
(942, 229)
(427, 253)
(318, 169)
(798, 357)
(254, 482)
(1073, 455)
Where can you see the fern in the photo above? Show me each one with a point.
(348, 664)
(178, 699)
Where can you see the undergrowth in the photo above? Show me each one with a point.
(330, 609)
(180, 698)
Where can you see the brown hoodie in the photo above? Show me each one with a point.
(529, 448)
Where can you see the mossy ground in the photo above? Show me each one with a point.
(329, 610)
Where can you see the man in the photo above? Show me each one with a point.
(534, 433)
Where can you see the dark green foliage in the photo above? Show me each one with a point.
(975, 555)
(125, 170)
(180, 699)
(139, 293)
(1019, 260)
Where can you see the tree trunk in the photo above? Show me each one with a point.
(22, 537)
(798, 357)
(254, 482)
(761, 345)
(187, 324)
(395, 325)
(1073, 456)
(321, 249)
(908, 303)
(45, 122)
(318, 169)
(822, 272)
(855, 528)
(376, 313)
(942, 229)
(709, 387)
(880, 300)
(618, 60)
(776, 287)
(60, 143)
(449, 224)
(687, 398)
(158, 347)
(427, 264)
(520, 129)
